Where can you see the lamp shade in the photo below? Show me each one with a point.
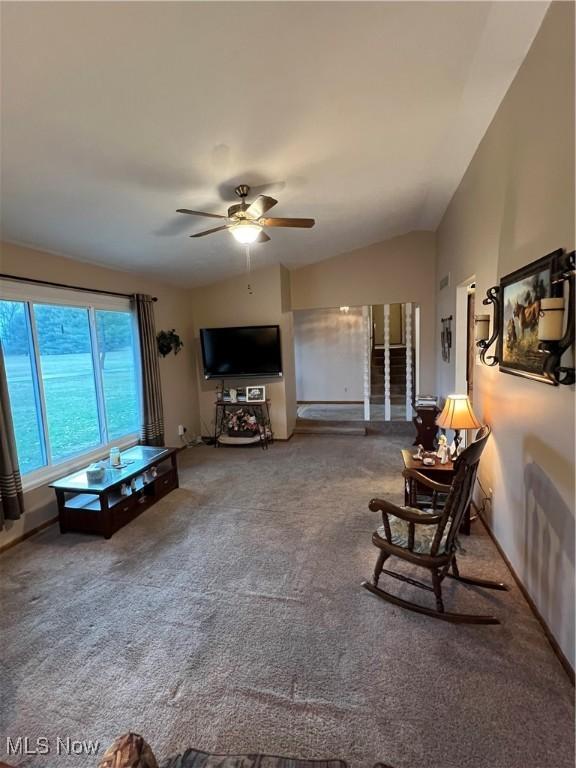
(457, 414)
(245, 232)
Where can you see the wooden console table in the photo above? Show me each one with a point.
(99, 507)
(441, 473)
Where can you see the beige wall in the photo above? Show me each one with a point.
(229, 303)
(515, 204)
(396, 315)
(378, 323)
(177, 372)
(395, 330)
(399, 270)
(329, 346)
(288, 353)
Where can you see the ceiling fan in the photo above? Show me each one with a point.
(246, 221)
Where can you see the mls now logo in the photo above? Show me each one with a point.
(25, 746)
(22, 745)
(69, 746)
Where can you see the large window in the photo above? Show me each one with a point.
(22, 386)
(119, 376)
(72, 377)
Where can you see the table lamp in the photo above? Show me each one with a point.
(457, 414)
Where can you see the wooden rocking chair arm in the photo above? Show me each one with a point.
(414, 474)
(410, 515)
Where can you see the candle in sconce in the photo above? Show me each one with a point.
(482, 330)
(551, 319)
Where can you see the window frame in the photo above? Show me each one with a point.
(30, 294)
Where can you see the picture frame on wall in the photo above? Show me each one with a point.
(256, 394)
(446, 338)
(521, 293)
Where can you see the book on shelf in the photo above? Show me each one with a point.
(426, 401)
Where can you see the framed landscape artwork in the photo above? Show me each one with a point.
(521, 293)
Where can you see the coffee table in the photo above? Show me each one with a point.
(100, 507)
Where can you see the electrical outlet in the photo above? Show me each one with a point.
(181, 429)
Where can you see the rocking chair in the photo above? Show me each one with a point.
(428, 537)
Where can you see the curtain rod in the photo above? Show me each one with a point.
(70, 287)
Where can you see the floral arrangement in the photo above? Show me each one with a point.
(240, 423)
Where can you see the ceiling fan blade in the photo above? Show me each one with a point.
(210, 231)
(262, 237)
(305, 223)
(260, 206)
(201, 213)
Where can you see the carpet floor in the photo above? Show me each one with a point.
(230, 618)
(348, 412)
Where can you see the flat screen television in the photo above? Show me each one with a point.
(247, 352)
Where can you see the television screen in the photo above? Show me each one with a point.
(248, 352)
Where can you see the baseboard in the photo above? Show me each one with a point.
(547, 631)
(283, 439)
(27, 534)
(275, 440)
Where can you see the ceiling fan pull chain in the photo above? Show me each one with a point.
(248, 268)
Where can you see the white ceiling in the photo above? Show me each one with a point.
(361, 115)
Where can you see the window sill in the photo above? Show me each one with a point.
(46, 475)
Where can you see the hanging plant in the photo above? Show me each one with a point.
(169, 341)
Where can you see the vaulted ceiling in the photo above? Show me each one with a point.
(361, 115)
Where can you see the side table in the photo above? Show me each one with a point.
(441, 473)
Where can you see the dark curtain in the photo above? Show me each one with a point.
(11, 498)
(152, 428)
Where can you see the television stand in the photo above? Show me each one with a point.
(260, 411)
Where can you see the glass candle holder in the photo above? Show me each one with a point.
(481, 327)
(551, 320)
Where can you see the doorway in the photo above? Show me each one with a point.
(464, 344)
(357, 364)
(470, 345)
(329, 346)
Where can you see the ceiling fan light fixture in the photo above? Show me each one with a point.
(245, 232)
(247, 222)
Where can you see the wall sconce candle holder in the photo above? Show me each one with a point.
(483, 341)
(553, 342)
